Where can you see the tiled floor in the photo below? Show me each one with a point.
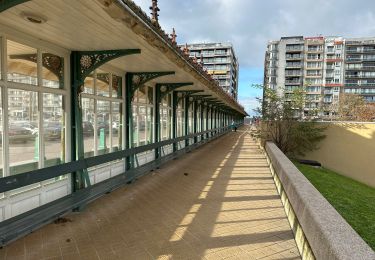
(217, 202)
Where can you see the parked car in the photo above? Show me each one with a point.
(105, 126)
(20, 134)
(88, 129)
(52, 130)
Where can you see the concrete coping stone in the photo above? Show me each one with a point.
(329, 235)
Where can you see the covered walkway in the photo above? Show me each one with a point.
(217, 202)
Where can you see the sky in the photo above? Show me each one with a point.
(250, 24)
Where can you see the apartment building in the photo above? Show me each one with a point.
(220, 61)
(360, 67)
(324, 66)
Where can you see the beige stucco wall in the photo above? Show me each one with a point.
(348, 149)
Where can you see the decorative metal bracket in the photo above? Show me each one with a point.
(166, 88)
(116, 80)
(186, 93)
(88, 61)
(136, 79)
(6, 4)
(52, 62)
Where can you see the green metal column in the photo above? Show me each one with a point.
(79, 178)
(195, 102)
(207, 111)
(129, 137)
(157, 124)
(202, 119)
(186, 118)
(212, 119)
(174, 118)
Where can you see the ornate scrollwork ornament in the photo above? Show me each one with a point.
(86, 61)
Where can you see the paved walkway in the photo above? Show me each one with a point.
(217, 202)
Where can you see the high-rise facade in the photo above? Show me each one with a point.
(324, 66)
(220, 61)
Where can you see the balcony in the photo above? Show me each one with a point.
(328, 92)
(294, 65)
(358, 76)
(356, 59)
(361, 68)
(293, 82)
(294, 48)
(313, 76)
(360, 84)
(297, 57)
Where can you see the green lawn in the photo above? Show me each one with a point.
(353, 200)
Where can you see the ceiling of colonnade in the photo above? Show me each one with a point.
(87, 25)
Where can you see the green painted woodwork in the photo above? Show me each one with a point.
(201, 115)
(157, 120)
(6, 4)
(53, 63)
(83, 63)
(174, 119)
(171, 87)
(195, 123)
(186, 118)
(167, 88)
(134, 80)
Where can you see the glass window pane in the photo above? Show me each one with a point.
(116, 126)
(23, 131)
(116, 86)
(150, 95)
(88, 86)
(22, 63)
(53, 71)
(53, 129)
(88, 126)
(142, 94)
(1, 60)
(150, 125)
(164, 124)
(1, 136)
(103, 113)
(135, 125)
(142, 125)
(102, 83)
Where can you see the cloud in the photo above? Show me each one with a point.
(250, 24)
(249, 104)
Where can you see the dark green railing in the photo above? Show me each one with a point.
(23, 179)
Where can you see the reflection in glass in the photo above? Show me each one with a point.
(142, 94)
(88, 86)
(150, 125)
(52, 71)
(1, 134)
(88, 126)
(1, 59)
(116, 126)
(150, 95)
(142, 125)
(23, 131)
(53, 129)
(102, 83)
(103, 113)
(116, 86)
(22, 63)
(135, 126)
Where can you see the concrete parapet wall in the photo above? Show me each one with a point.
(329, 236)
(348, 149)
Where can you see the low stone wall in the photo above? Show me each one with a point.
(320, 230)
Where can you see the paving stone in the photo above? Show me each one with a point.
(226, 207)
